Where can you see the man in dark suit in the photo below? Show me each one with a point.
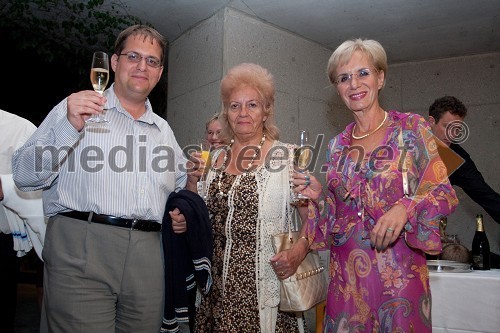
(444, 115)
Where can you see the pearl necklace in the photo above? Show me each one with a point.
(223, 166)
(368, 134)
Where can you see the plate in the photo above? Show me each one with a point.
(448, 266)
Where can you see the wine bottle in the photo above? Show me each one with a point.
(480, 247)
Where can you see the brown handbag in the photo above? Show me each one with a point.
(309, 285)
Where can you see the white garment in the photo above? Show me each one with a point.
(24, 212)
(14, 132)
(20, 213)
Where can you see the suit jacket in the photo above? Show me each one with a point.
(468, 177)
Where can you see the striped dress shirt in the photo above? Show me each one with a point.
(127, 169)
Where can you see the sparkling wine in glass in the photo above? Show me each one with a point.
(99, 76)
(205, 156)
(302, 158)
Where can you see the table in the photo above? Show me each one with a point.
(466, 302)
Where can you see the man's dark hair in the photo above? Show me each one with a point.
(445, 104)
(140, 30)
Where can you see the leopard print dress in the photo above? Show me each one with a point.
(232, 307)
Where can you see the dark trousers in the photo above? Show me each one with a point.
(9, 264)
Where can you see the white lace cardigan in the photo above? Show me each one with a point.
(274, 214)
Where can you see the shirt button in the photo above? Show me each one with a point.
(359, 214)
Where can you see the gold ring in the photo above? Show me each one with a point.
(390, 229)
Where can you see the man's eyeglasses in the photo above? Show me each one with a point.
(137, 57)
(362, 74)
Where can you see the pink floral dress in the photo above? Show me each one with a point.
(387, 291)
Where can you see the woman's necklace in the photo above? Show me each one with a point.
(370, 133)
(223, 166)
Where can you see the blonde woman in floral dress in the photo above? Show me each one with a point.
(377, 235)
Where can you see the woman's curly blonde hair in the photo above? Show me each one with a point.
(257, 77)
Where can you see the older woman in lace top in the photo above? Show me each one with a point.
(249, 196)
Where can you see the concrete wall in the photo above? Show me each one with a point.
(194, 74)
(304, 99)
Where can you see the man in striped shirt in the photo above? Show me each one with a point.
(105, 189)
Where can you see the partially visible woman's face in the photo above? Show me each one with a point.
(213, 133)
(246, 113)
(359, 91)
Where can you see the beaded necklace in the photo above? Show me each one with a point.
(223, 166)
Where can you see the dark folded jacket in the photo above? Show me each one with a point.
(187, 259)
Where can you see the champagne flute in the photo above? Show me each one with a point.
(99, 76)
(302, 158)
(205, 156)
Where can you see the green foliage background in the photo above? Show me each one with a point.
(64, 34)
(59, 28)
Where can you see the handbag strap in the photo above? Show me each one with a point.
(290, 237)
(293, 217)
(404, 170)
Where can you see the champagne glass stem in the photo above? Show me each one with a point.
(99, 77)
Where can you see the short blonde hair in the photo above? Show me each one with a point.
(212, 118)
(257, 77)
(344, 52)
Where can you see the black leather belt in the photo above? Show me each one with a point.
(132, 224)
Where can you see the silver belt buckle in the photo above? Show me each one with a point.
(134, 222)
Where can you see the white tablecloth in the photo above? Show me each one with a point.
(466, 302)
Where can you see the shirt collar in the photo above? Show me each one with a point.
(113, 102)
